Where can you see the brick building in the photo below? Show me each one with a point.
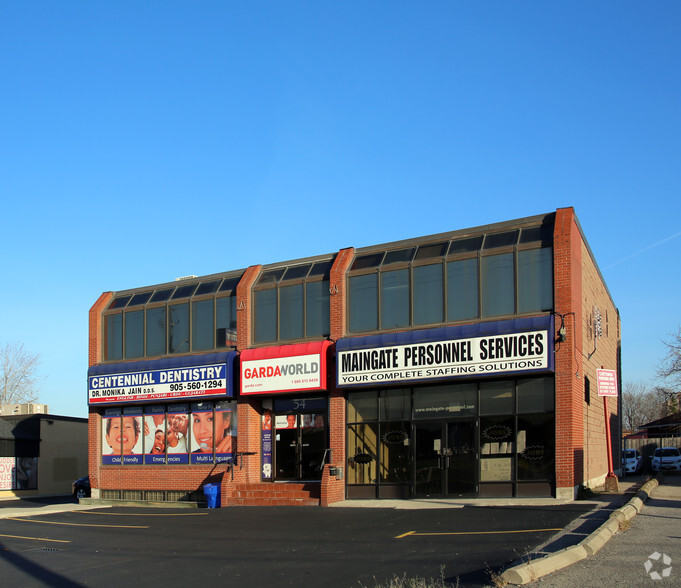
(462, 364)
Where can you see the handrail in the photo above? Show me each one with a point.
(238, 460)
(326, 452)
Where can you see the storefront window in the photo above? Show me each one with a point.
(362, 453)
(395, 462)
(536, 447)
(362, 407)
(509, 452)
(497, 397)
(448, 400)
(535, 395)
(396, 404)
(496, 449)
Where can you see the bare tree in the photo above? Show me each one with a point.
(641, 405)
(18, 374)
(670, 367)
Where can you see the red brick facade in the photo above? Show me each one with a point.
(580, 295)
(581, 455)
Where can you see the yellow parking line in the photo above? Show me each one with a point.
(35, 538)
(414, 533)
(140, 514)
(78, 524)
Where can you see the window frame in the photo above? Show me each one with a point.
(512, 243)
(122, 309)
(278, 284)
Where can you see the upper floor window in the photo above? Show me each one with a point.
(481, 276)
(171, 320)
(292, 302)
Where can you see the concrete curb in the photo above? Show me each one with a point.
(533, 570)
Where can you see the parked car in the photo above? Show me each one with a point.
(631, 461)
(666, 458)
(81, 487)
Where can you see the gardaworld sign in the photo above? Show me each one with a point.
(164, 384)
(497, 354)
(281, 374)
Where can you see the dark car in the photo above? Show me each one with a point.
(81, 487)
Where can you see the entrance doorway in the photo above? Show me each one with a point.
(445, 459)
(300, 445)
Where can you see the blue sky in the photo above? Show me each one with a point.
(142, 141)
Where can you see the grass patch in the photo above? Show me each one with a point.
(405, 582)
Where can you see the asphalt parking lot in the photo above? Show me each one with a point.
(273, 546)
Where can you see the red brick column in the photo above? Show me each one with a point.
(95, 354)
(244, 307)
(569, 373)
(337, 289)
(333, 487)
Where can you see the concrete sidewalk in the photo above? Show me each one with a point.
(643, 550)
(36, 506)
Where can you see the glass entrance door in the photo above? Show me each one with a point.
(445, 458)
(299, 447)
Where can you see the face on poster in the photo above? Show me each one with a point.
(177, 431)
(267, 420)
(286, 421)
(132, 439)
(155, 434)
(202, 432)
(131, 435)
(111, 435)
(225, 430)
(315, 421)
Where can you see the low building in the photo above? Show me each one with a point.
(41, 455)
(461, 364)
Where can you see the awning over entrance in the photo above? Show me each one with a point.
(286, 368)
(513, 346)
(191, 377)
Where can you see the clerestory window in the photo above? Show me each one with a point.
(498, 274)
(182, 318)
(292, 302)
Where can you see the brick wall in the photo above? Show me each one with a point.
(95, 352)
(599, 353)
(580, 426)
(569, 417)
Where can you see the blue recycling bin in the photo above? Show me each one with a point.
(212, 493)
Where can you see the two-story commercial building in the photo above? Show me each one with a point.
(461, 364)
